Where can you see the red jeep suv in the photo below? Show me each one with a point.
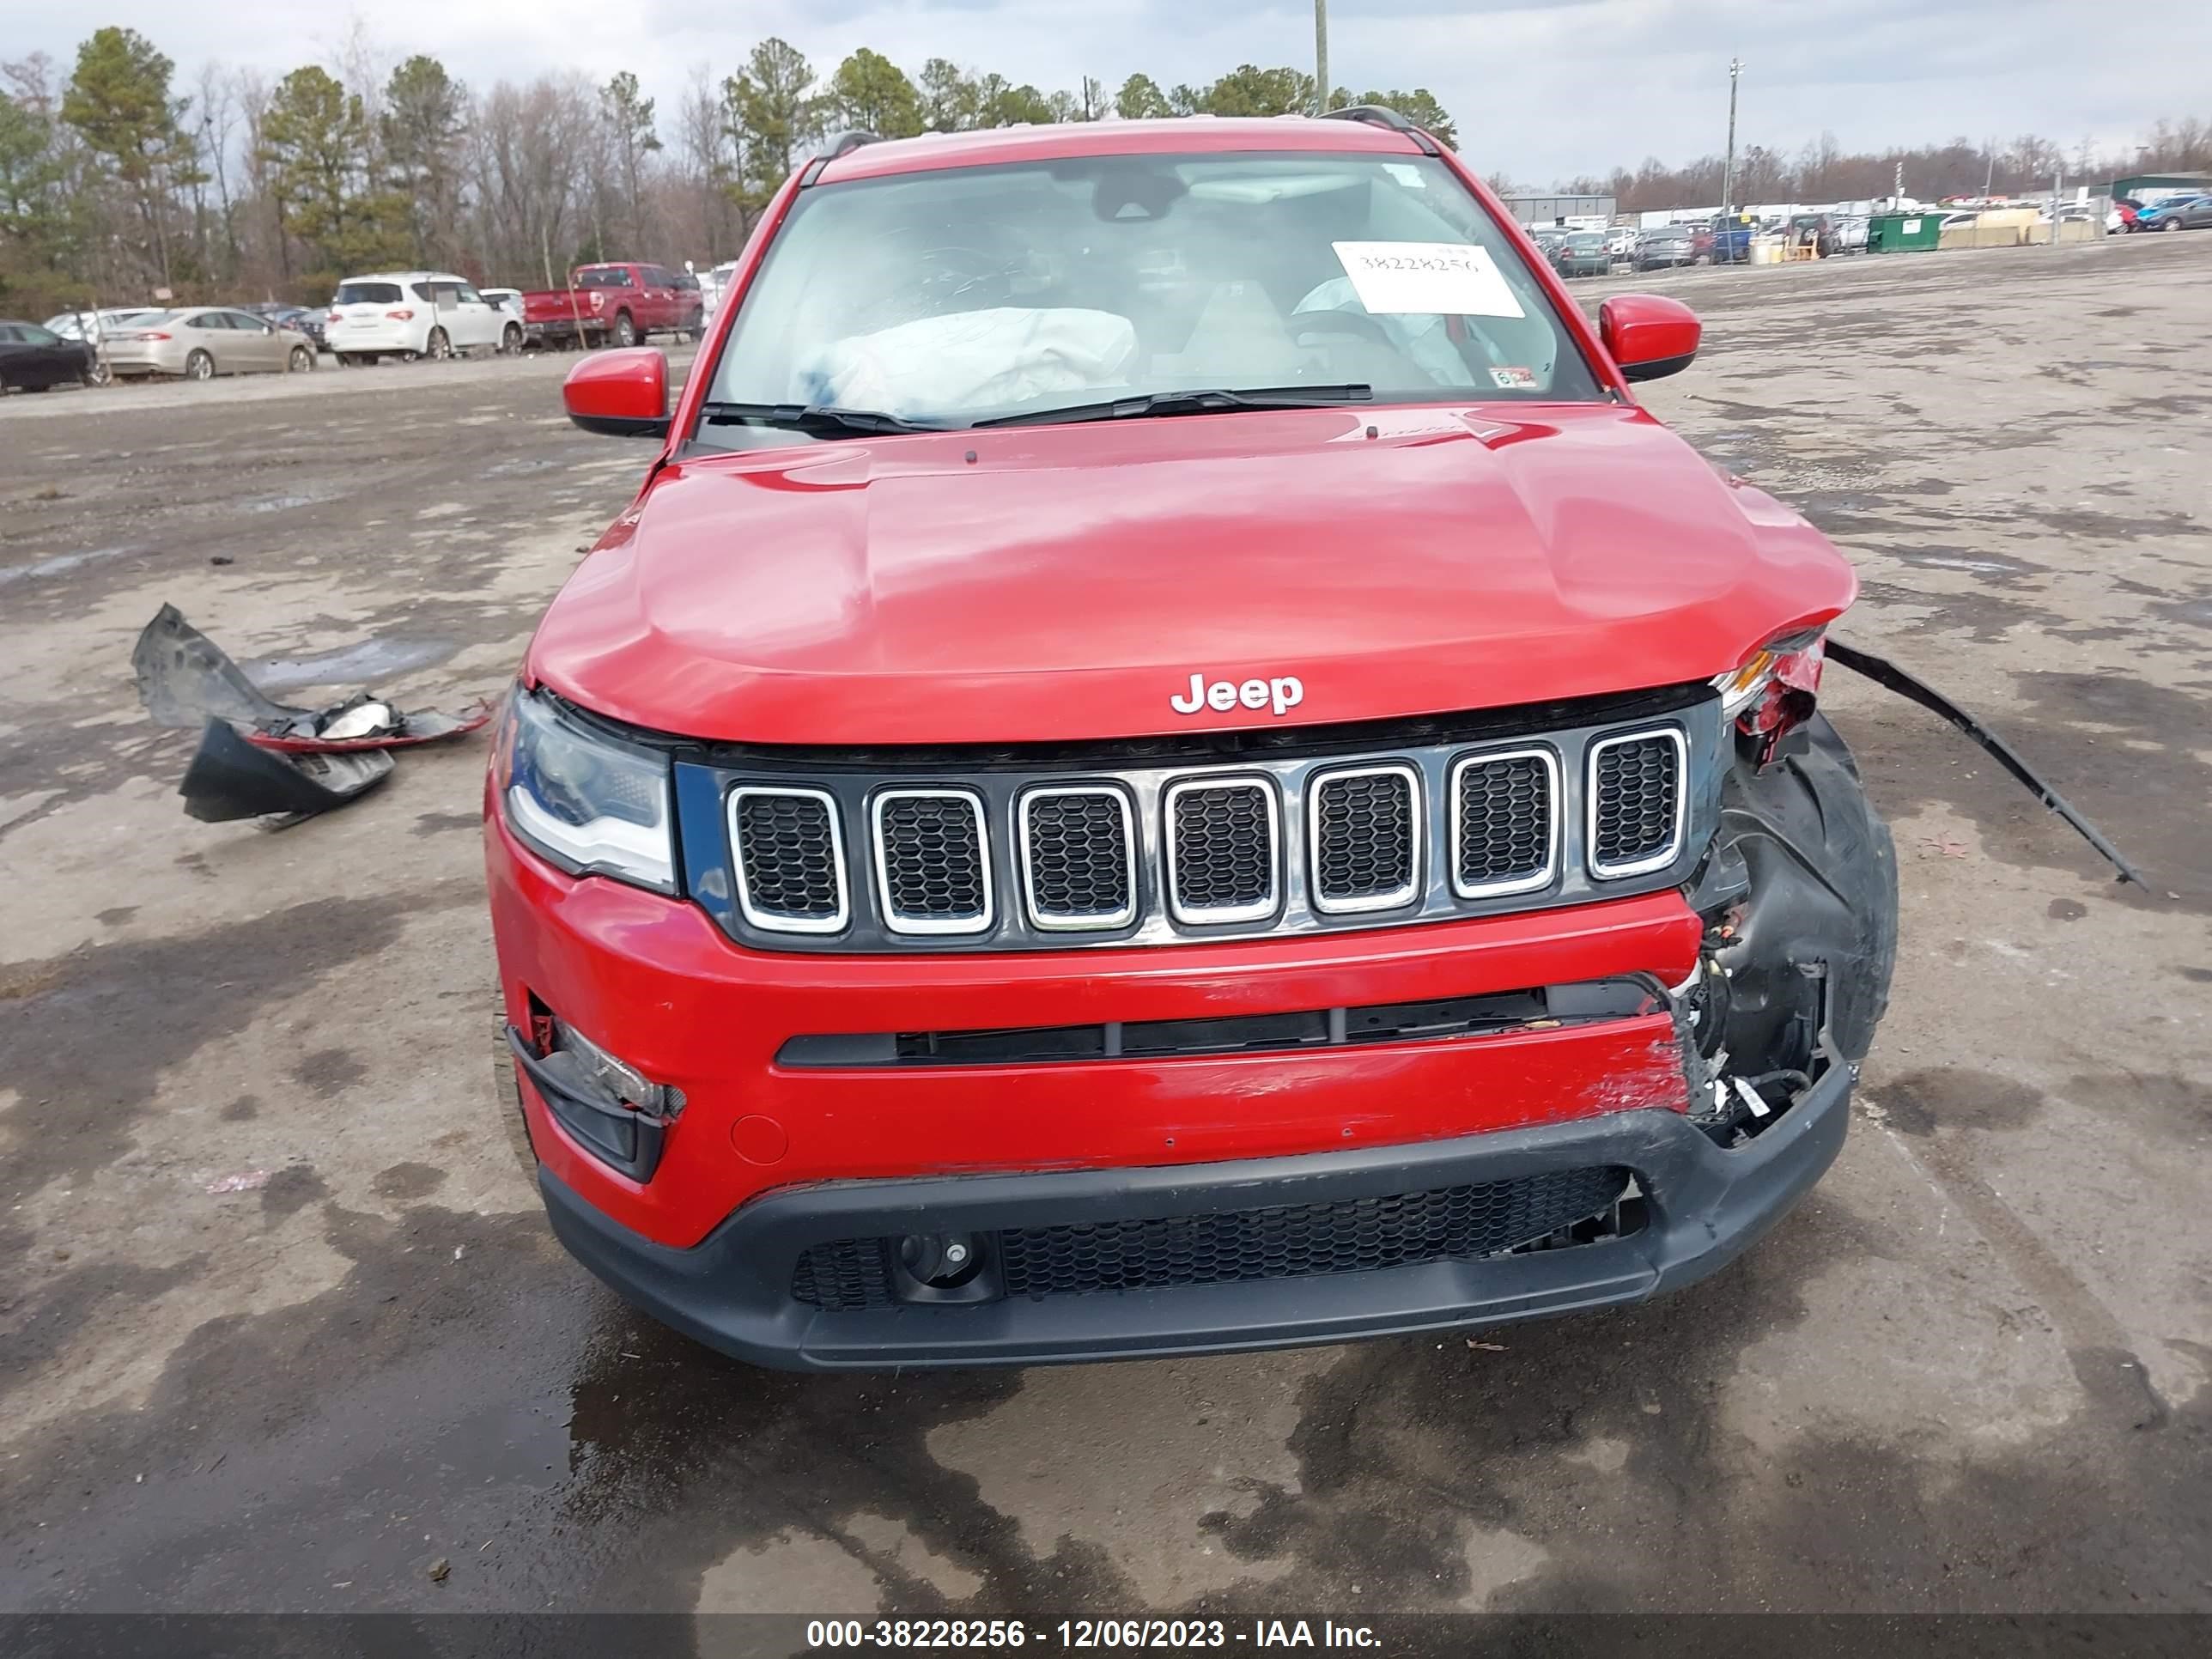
(1166, 761)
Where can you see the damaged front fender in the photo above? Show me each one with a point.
(1799, 898)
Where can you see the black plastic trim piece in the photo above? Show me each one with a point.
(1658, 368)
(842, 144)
(1883, 672)
(1382, 115)
(620, 1136)
(620, 426)
(1428, 1020)
(732, 1291)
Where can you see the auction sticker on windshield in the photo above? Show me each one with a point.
(1427, 279)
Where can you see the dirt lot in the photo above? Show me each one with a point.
(1971, 1373)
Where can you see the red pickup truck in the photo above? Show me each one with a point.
(617, 304)
(1173, 764)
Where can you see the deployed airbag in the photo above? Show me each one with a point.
(990, 358)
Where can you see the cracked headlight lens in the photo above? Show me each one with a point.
(1742, 687)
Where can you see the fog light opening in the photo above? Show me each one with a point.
(607, 1073)
(946, 1267)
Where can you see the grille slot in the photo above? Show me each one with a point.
(1364, 836)
(1273, 1241)
(790, 858)
(933, 862)
(847, 1275)
(1224, 837)
(1505, 822)
(1078, 858)
(1636, 802)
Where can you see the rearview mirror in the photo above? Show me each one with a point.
(620, 394)
(1648, 334)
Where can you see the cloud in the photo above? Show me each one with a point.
(1542, 89)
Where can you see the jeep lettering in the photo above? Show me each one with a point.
(1283, 694)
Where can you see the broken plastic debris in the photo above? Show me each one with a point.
(231, 778)
(246, 1181)
(185, 679)
(1884, 672)
(1751, 1098)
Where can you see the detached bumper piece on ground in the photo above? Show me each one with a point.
(260, 758)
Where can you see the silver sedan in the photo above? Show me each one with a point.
(201, 342)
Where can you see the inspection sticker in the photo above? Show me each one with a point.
(1514, 378)
(1452, 279)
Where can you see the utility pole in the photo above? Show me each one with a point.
(1321, 56)
(1989, 173)
(1727, 169)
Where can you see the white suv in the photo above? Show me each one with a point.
(410, 314)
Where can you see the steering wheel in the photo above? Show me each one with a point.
(1357, 322)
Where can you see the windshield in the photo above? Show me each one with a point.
(366, 294)
(970, 293)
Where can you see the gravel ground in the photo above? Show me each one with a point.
(1970, 1373)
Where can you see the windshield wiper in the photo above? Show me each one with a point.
(815, 417)
(1194, 402)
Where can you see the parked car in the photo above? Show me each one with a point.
(197, 342)
(1732, 234)
(1667, 246)
(83, 324)
(1583, 253)
(410, 315)
(307, 319)
(713, 286)
(34, 358)
(513, 329)
(1116, 872)
(1621, 243)
(617, 304)
(1852, 231)
(1818, 231)
(2176, 213)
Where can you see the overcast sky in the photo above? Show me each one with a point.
(1541, 89)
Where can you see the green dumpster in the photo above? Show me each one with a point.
(1903, 233)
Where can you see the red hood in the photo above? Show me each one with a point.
(1069, 580)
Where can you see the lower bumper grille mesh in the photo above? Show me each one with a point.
(1281, 1241)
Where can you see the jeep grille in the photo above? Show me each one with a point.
(1131, 844)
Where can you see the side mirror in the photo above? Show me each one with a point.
(1648, 334)
(620, 394)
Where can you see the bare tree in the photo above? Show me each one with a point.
(218, 107)
(709, 167)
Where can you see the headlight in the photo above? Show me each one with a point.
(593, 805)
(1741, 687)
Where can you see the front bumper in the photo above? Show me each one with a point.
(733, 1290)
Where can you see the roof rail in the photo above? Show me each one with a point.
(842, 144)
(1382, 115)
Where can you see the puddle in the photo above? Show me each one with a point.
(280, 503)
(364, 664)
(1980, 564)
(60, 562)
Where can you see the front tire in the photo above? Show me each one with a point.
(301, 362)
(2171, 224)
(510, 340)
(199, 366)
(438, 347)
(626, 331)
